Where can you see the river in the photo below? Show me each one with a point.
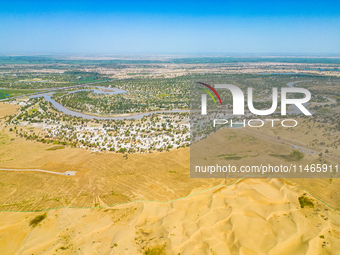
(61, 108)
(48, 97)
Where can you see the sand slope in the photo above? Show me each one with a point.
(254, 216)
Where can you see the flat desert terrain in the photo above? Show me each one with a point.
(8, 109)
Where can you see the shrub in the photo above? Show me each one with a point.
(34, 222)
(305, 201)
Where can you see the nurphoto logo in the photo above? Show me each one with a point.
(238, 99)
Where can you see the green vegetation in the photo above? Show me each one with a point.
(84, 77)
(156, 250)
(34, 222)
(143, 95)
(232, 158)
(223, 155)
(147, 94)
(119, 136)
(4, 93)
(34, 82)
(305, 201)
(295, 155)
(55, 148)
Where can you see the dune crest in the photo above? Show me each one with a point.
(254, 216)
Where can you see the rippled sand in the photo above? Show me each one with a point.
(254, 216)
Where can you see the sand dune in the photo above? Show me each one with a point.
(254, 216)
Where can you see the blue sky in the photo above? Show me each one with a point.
(169, 27)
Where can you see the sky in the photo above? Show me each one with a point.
(170, 27)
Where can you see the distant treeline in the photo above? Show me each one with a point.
(56, 60)
(188, 60)
(220, 60)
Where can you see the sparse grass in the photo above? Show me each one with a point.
(248, 139)
(230, 136)
(232, 158)
(34, 222)
(55, 148)
(223, 155)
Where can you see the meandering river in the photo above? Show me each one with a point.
(59, 107)
(103, 90)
